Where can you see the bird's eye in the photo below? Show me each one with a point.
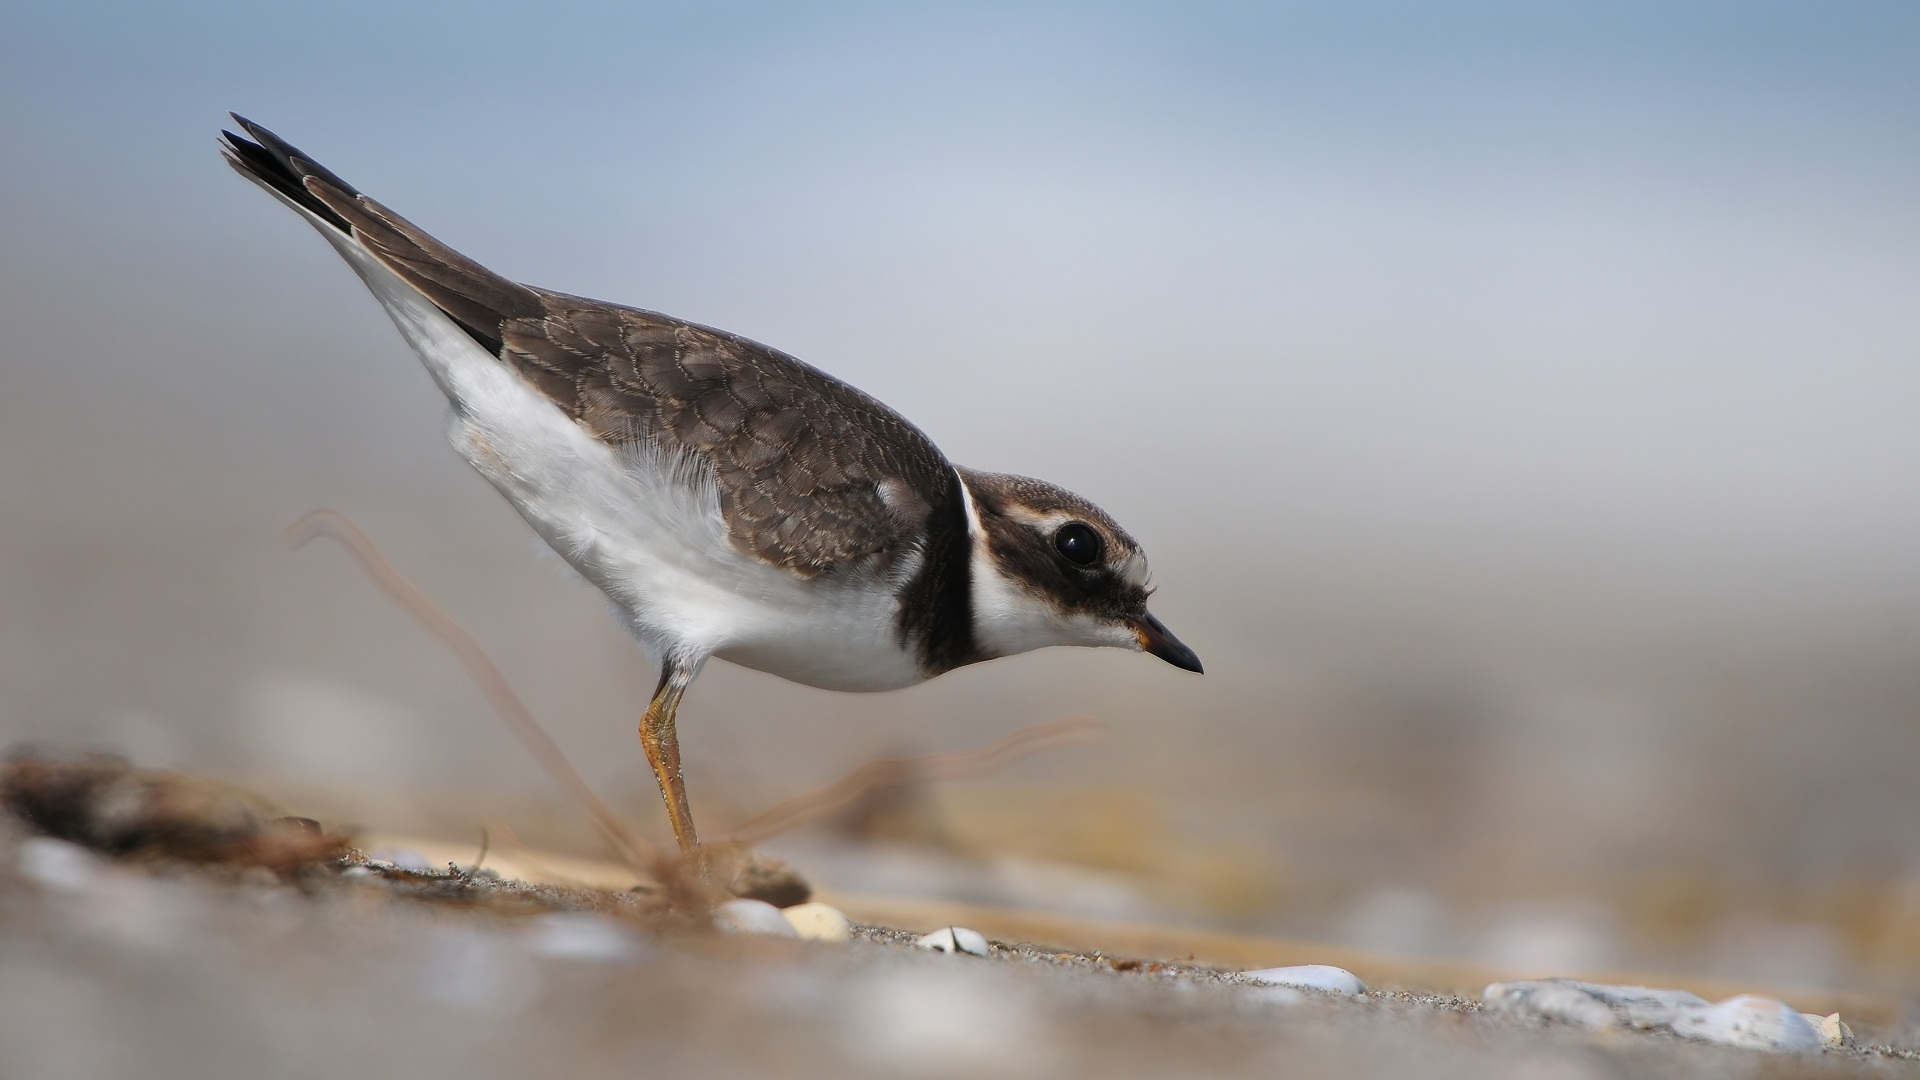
(1078, 543)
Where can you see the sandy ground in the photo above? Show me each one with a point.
(162, 968)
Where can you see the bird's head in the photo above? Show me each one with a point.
(1051, 568)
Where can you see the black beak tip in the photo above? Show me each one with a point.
(1185, 659)
(1155, 638)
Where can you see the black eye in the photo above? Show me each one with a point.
(1078, 543)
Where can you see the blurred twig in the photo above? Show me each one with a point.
(486, 845)
(810, 805)
(639, 855)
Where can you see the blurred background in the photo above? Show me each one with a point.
(1518, 403)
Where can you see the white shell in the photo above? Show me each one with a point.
(955, 939)
(1833, 1031)
(1567, 1003)
(818, 922)
(1311, 976)
(1593, 1005)
(742, 916)
(1755, 1022)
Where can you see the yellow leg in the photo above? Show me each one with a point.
(662, 745)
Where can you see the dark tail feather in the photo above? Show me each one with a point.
(476, 298)
(281, 166)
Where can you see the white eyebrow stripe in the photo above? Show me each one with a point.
(1133, 570)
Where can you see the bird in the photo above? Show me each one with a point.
(731, 501)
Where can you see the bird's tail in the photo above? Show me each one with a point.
(477, 299)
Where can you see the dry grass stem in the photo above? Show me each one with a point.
(957, 765)
(639, 855)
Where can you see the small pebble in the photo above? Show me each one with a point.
(955, 939)
(402, 858)
(59, 865)
(1747, 1020)
(818, 922)
(741, 916)
(1311, 977)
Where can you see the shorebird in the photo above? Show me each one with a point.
(729, 500)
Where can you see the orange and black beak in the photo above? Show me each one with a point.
(1155, 638)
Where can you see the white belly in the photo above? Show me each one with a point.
(647, 531)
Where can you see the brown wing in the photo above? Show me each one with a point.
(813, 475)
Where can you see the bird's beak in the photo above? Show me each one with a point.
(1155, 638)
